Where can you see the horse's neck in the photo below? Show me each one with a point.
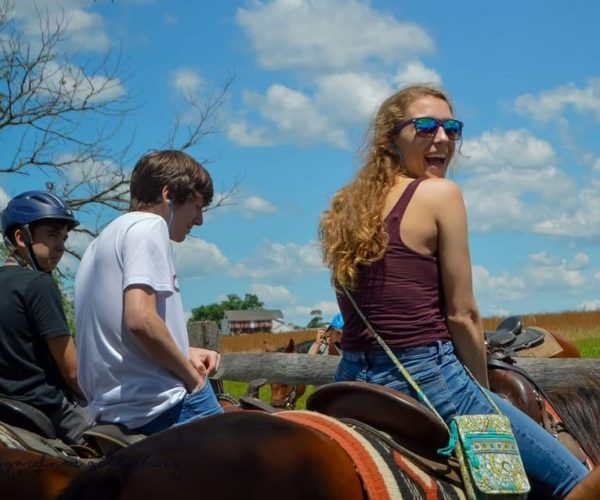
(334, 349)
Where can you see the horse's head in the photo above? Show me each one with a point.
(284, 395)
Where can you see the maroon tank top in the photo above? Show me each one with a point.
(400, 294)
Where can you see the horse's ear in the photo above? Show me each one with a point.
(291, 347)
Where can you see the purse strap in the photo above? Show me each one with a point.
(400, 366)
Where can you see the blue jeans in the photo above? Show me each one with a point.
(552, 469)
(201, 403)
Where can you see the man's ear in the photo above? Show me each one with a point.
(166, 194)
(22, 237)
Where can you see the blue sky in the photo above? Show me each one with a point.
(524, 77)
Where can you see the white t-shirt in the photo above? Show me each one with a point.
(118, 378)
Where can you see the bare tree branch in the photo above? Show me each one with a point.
(60, 117)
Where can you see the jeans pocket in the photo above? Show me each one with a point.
(347, 370)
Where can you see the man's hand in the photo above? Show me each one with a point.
(321, 337)
(205, 361)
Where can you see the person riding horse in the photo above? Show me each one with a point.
(328, 341)
(38, 362)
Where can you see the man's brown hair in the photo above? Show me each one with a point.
(183, 175)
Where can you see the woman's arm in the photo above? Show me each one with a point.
(464, 321)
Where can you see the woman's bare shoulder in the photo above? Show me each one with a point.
(438, 189)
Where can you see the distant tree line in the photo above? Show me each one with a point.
(216, 311)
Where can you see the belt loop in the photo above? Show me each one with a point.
(440, 350)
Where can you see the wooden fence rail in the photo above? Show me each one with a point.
(549, 373)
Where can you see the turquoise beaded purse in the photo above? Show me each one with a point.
(484, 445)
(488, 455)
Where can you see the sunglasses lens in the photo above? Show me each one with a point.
(453, 129)
(426, 127)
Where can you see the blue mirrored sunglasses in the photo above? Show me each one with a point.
(427, 126)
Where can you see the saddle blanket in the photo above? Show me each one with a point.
(385, 473)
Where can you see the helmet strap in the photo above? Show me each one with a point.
(33, 259)
(28, 240)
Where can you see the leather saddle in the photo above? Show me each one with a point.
(19, 414)
(102, 439)
(404, 419)
(510, 336)
(514, 384)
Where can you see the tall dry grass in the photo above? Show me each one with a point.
(254, 342)
(577, 325)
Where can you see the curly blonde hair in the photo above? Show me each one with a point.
(352, 231)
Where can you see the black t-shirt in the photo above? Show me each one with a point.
(31, 312)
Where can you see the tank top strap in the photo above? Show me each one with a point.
(395, 216)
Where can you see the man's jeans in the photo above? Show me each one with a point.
(201, 403)
(551, 468)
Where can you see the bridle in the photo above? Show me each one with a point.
(289, 403)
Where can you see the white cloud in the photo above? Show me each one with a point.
(295, 117)
(89, 171)
(596, 165)
(502, 286)
(248, 206)
(555, 277)
(542, 258)
(195, 257)
(512, 183)
(579, 219)
(517, 198)
(82, 30)
(328, 309)
(552, 103)
(589, 305)
(350, 97)
(73, 84)
(244, 134)
(417, 72)
(4, 198)
(580, 260)
(328, 34)
(273, 295)
(254, 205)
(512, 148)
(550, 273)
(77, 242)
(351, 56)
(186, 80)
(280, 262)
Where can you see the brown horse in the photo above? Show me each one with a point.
(235, 455)
(285, 395)
(579, 408)
(29, 475)
(245, 454)
(569, 348)
(248, 454)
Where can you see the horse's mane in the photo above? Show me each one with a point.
(579, 408)
(303, 347)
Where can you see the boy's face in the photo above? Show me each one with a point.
(49, 243)
(185, 217)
